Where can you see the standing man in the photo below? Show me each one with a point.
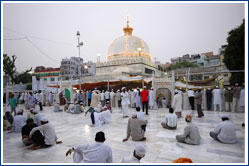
(84, 97)
(102, 98)
(177, 104)
(31, 100)
(107, 96)
(191, 97)
(132, 98)
(95, 100)
(80, 97)
(144, 95)
(40, 99)
(13, 103)
(209, 98)
(236, 95)
(125, 102)
(152, 98)
(89, 97)
(242, 99)
(217, 98)
(228, 99)
(198, 99)
(119, 98)
(50, 98)
(138, 98)
(112, 96)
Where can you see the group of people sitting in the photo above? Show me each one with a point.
(225, 132)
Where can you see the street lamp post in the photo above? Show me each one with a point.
(79, 45)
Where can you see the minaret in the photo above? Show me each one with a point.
(127, 30)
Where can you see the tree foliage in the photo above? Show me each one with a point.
(9, 69)
(234, 55)
(180, 65)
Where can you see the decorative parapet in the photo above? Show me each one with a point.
(126, 61)
(163, 80)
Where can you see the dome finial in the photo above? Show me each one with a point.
(127, 30)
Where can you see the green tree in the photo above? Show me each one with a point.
(9, 69)
(234, 54)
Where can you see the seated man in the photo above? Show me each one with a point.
(105, 116)
(140, 116)
(19, 121)
(77, 109)
(138, 154)
(108, 105)
(171, 120)
(92, 153)
(225, 132)
(30, 114)
(57, 108)
(82, 107)
(37, 117)
(44, 135)
(26, 131)
(135, 130)
(7, 120)
(191, 133)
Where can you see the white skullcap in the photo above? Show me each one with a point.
(19, 111)
(105, 106)
(95, 88)
(216, 87)
(236, 84)
(176, 91)
(35, 110)
(224, 116)
(134, 116)
(140, 150)
(229, 88)
(7, 111)
(123, 88)
(44, 119)
(144, 87)
(151, 87)
(137, 87)
(209, 88)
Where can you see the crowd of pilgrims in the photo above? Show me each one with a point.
(37, 131)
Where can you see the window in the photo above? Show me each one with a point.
(51, 79)
(225, 75)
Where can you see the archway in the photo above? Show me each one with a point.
(163, 93)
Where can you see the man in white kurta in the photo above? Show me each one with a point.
(112, 98)
(19, 121)
(105, 116)
(125, 102)
(92, 153)
(138, 154)
(37, 117)
(43, 135)
(102, 98)
(217, 100)
(242, 100)
(177, 104)
(50, 98)
(95, 100)
(133, 99)
(152, 98)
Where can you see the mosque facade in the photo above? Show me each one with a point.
(128, 55)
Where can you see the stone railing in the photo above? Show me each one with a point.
(163, 79)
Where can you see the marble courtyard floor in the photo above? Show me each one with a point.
(161, 145)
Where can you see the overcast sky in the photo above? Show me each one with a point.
(169, 29)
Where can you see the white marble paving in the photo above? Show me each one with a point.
(160, 144)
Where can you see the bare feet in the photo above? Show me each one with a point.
(34, 147)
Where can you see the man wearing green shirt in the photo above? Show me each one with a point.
(13, 103)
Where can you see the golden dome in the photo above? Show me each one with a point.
(128, 47)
